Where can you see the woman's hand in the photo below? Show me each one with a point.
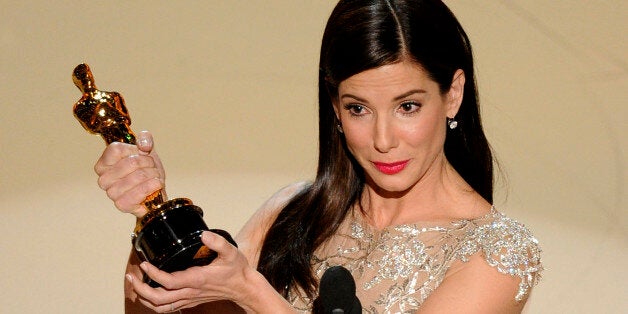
(130, 173)
(228, 277)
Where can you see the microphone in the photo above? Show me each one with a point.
(337, 293)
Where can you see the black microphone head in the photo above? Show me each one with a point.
(337, 291)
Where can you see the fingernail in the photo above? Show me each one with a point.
(208, 236)
(143, 266)
(129, 278)
(144, 142)
(145, 139)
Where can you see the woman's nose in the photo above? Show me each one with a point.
(384, 136)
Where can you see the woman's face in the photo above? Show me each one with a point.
(394, 121)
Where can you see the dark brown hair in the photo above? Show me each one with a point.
(362, 35)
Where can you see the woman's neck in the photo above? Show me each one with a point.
(440, 195)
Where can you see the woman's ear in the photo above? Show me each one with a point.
(335, 104)
(455, 93)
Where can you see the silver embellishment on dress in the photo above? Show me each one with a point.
(397, 268)
(511, 248)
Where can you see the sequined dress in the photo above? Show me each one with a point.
(397, 268)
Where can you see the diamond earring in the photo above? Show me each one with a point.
(452, 123)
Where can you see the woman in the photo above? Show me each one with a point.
(402, 196)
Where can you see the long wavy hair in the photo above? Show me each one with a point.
(362, 35)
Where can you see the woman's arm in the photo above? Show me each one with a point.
(475, 287)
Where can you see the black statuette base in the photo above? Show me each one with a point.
(171, 240)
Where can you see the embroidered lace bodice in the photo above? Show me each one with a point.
(397, 268)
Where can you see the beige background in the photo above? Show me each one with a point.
(228, 88)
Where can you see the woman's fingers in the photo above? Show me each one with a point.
(134, 169)
(215, 242)
(129, 192)
(131, 201)
(192, 277)
(149, 298)
(167, 280)
(130, 173)
(156, 296)
(173, 295)
(170, 307)
(112, 154)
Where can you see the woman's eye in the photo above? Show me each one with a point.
(409, 107)
(355, 110)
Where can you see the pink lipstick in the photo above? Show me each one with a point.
(390, 168)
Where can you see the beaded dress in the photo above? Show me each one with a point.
(397, 268)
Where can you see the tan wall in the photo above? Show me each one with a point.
(228, 88)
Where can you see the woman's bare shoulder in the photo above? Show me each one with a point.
(251, 236)
(275, 203)
(267, 213)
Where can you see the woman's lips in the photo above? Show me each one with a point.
(390, 168)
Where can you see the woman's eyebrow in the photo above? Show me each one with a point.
(408, 93)
(354, 97)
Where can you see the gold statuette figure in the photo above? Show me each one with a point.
(101, 112)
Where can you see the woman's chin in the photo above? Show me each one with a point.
(390, 187)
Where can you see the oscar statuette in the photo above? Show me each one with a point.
(169, 235)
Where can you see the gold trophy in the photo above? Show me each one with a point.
(169, 235)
